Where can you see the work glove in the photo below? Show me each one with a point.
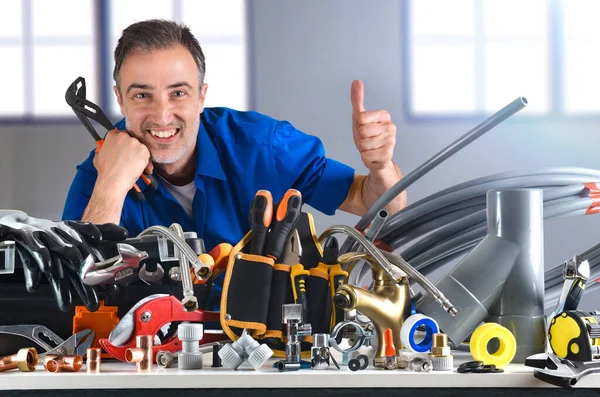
(56, 250)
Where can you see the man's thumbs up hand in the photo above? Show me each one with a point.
(373, 131)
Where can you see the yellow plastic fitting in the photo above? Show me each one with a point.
(483, 335)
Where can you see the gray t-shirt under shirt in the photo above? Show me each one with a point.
(183, 194)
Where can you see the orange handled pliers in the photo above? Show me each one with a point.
(86, 110)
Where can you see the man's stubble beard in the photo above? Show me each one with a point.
(185, 143)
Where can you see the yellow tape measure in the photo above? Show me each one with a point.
(575, 335)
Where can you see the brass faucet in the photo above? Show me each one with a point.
(387, 306)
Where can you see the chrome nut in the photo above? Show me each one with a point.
(190, 303)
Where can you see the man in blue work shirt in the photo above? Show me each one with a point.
(210, 162)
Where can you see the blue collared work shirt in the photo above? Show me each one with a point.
(238, 154)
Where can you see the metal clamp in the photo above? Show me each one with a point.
(361, 336)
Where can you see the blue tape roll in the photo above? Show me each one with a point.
(409, 329)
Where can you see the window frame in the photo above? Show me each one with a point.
(101, 48)
(556, 44)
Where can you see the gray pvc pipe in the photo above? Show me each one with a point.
(447, 244)
(515, 216)
(436, 217)
(540, 172)
(470, 237)
(550, 194)
(442, 218)
(437, 159)
(412, 213)
(592, 251)
(431, 265)
(520, 307)
(434, 264)
(450, 223)
(428, 227)
(500, 181)
(376, 226)
(478, 280)
(450, 229)
(477, 219)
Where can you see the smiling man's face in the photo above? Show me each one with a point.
(161, 98)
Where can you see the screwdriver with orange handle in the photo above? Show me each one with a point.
(287, 215)
(86, 111)
(261, 216)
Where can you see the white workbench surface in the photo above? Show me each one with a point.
(117, 375)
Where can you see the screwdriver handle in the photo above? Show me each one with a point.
(286, 217)
(299, 278)
(261, 215)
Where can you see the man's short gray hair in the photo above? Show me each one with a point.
(157, 34)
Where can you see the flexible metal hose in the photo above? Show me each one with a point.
(204, 271)
(395, 271)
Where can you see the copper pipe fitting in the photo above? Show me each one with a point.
(134, 355)
(93, 361)
(141, 355)
(63, 363)
(25, 360)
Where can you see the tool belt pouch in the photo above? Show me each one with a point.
(319, 301)
(246, 292)
(281, 294)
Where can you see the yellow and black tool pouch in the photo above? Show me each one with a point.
(255, 288)
(246, 292)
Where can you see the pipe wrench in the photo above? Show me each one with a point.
(86, 111)
(151, 315)
(559, 371)
(112, 270)
(76, 344)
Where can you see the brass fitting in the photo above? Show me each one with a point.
(387, 306)
(441, 357)
(141, 355)
(25, 360)
(93, 361)
(439, 347)
(63, 363)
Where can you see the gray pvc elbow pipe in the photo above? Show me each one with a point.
(520, 307)
(514, 238)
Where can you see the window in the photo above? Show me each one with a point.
(469, 57)
(42, 52)
(48, 49)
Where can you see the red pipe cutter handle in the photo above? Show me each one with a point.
(158, 312)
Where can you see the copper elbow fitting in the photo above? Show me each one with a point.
(63, 363)
(93, 360)
(25, 360)
(141, 355)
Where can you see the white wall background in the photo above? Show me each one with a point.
(304, 56)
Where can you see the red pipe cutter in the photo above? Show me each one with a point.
(147, 317)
